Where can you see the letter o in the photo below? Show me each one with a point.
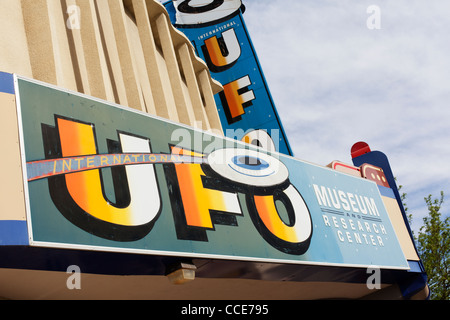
(291, 238)
(185, 7)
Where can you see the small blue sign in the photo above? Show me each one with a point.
(245, 104)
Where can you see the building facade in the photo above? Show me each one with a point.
(119, 182)
(126, 52)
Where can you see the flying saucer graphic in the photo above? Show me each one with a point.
(248, 167)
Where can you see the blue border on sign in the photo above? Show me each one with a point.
(7, 83)
(13, 233)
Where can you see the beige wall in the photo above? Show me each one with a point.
(402, 233)
(123, 51)
(12, 204)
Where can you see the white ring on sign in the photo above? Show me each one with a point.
(248, 167)
(260, 138)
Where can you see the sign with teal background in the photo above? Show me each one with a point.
(104, 177)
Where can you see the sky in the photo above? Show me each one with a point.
(335, 81)
(339, 75)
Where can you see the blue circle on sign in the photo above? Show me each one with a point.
(250, 163)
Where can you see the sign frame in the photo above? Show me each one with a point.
(50, 244)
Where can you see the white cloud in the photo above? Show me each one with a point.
(336, 82)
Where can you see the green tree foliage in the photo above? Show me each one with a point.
(433, 244)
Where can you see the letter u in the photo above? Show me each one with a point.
(336, 203)
(80, 196)
(222, 54)
(362, 207)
